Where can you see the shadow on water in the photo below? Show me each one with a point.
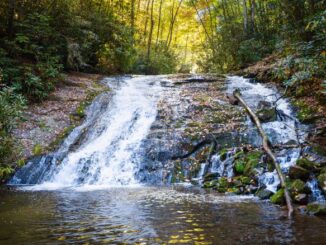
(176, 215)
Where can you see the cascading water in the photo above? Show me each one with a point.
(282, 130)
(109, 151)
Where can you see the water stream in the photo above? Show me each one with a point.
(90, 192)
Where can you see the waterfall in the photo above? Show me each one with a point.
(109, 152)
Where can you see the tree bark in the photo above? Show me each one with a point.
(11, 15)
(266, 146)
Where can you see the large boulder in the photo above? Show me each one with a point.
(297, 172)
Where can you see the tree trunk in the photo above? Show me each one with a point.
(266, 146)
(159, 22)
(245, 17)
(150, 33)
(11, 15)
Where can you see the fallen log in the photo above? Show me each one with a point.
(267, 149)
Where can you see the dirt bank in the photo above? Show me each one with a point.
(45, 124)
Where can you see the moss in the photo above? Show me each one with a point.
(37, 149)
(316, 208)
(298, 187)
(322, 182)
(210, 184)
(239, 154)
(245, 180)
(21, 162)
(252, 160)
(320, 150)
(239, 166)
(223, 154)
(60, 138)
(222, 185)
(306, 164)
(278, 197)
(234, 190)
(5, 171)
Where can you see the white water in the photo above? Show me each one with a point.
(280, 131)
(110, 155)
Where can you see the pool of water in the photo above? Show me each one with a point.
(148, 215)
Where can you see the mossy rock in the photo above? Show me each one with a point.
(263, 194)
(307, 164)
(278, 197)
(250, 161)
(234, 190)
(223, 185)
(316, 208)
(210, 176)
(322, 182)
(245, 180)
(297, 172)
(223, 154)
(323, 170)
(267, 114)
(239, 154)
(239, 166)
(210, 184)
(297, 187)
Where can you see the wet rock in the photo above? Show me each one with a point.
(307, 164)
(239, 166)
(267, 115)
(263, 193)
(301, 199)
(266, 111)
(232, 99)
(297, 172)
(322, 182)
(316, 208)
(210, 176)
(297, 187)
(210, 184)
(278, 197)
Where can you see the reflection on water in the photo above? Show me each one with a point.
(148, 216)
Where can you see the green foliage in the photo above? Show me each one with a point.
(37, 150)
(11, 106)
(161, 61)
